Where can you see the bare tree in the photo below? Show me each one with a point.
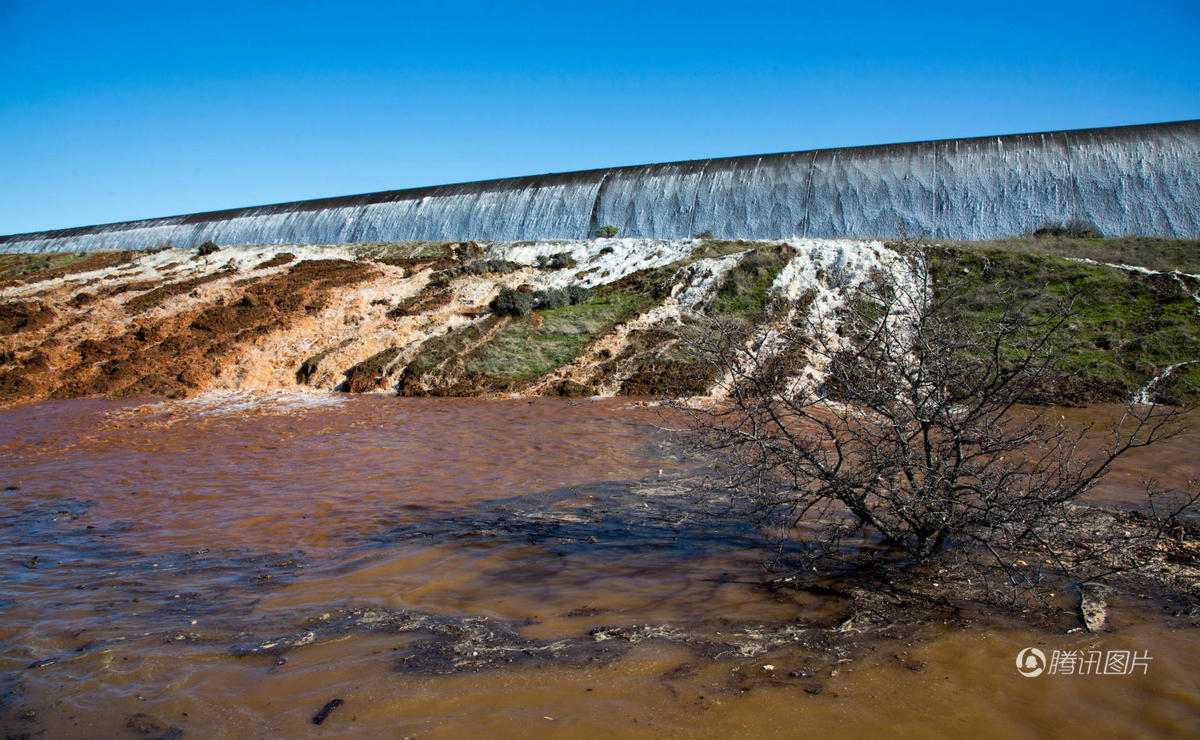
(915, 432)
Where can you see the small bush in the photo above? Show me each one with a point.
(491, 266)
(1074, 229)
(442, 278)
(572, 295)
(466, 251)
(551, 298)
(607, 232)
(208, 248)
(512, 302)
(577, 294)
(557, 261)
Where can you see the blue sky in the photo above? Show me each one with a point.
(120, 110)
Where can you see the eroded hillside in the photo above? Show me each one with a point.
(580, 318)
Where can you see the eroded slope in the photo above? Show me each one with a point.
(609, 316)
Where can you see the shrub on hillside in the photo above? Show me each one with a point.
(927, 451)
(1076, 228)
(577, 294)
(511, 302)
(442, 278)
(551, 298)
(490, 266)
(558, 261)
(208, 248)
(607, 232)
(516, 302)
(572, 295)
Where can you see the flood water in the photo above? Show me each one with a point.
(228, 566)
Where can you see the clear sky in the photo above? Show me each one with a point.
(120, 110)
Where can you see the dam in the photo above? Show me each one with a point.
(1130, 180)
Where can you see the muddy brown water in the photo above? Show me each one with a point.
(227, 566)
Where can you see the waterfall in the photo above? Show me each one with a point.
(1126, 180)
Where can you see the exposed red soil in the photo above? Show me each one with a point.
(154, 297)
(25, 316)
(420, 303)
(176, 355)
(281, 258)
(368, 375)
(668, 378)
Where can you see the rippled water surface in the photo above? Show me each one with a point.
(227, 566)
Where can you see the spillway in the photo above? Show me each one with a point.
(1129, 180)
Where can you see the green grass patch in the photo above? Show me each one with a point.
(656, 362)
(652, 283)
(745, 291)
(534, 344)
(1124, 327)
(384, 251)
(710, 248)
(26, 268)
(441, 351)
(1144, 251)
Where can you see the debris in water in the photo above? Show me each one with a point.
(41, 663)
(331, 705)
(1092, 607)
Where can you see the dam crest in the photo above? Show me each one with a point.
(1129, 180)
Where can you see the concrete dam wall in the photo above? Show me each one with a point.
(1130, 180)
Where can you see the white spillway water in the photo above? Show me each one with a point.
(235, 403)
(693, 285)
(830, 270)
(1145, 394)
(598, 261)
(1128, 180)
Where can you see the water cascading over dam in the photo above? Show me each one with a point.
(1130, 180)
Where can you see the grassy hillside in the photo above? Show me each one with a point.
(1145, 251)
(1124, 327)
(415, 318)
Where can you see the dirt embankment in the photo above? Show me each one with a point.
(169, 353)
(610, 317)
(407, 318)
(176, 322)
